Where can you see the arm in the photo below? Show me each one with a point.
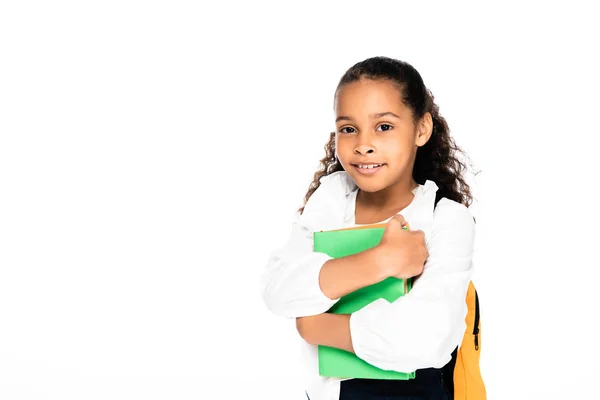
(422, 328)
(399, 254)
(298, 282)
(344, 275)
(331, 330)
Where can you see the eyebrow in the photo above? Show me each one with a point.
(372, 116)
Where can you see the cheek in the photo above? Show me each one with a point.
(343, 146)
(399, 146)
(344, 151)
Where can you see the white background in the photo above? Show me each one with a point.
(152, 155)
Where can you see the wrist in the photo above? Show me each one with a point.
(378, 259)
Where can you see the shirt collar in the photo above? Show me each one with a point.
(326, 208)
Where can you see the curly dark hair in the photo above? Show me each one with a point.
(436, 160)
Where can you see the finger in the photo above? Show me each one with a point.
(400, 219)
(399, 216)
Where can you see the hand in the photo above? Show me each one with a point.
(401, 253)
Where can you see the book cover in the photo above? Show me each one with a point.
(340, 243)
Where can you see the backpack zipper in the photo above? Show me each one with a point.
(476, 327)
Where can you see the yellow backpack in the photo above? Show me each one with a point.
(468, 383)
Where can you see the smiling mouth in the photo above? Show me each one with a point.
(367, 166)
(368, 169)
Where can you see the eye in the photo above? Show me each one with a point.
(386, 125)
(343, 130)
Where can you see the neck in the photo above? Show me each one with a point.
(395, 196)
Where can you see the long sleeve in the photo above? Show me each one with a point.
(422, 328)
(290, 283)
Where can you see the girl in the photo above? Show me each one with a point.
(390, 160)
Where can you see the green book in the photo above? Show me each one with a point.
(339, 363)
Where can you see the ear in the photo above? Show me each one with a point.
(424, 129)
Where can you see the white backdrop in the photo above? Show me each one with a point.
(152, 155)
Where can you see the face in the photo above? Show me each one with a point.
(376, 139)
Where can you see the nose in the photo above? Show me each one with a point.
(363, 145)
(362, 150)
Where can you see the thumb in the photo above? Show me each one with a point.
(399, 220)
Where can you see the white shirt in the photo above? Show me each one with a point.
(435, 305)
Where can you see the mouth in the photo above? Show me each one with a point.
(368, 168)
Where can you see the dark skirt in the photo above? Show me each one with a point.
(429, 384)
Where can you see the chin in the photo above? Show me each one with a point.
(369, 185)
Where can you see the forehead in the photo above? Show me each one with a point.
(368, 96)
